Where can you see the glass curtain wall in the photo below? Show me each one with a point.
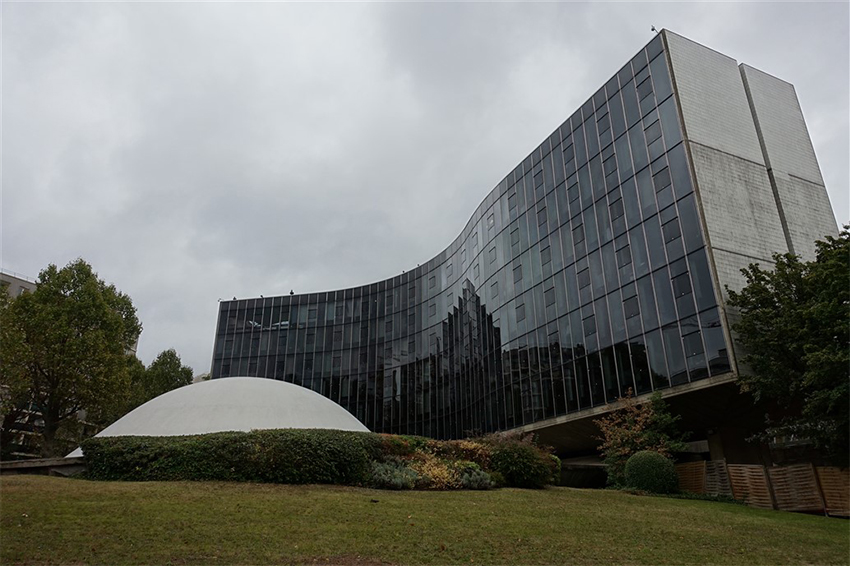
(582, 274)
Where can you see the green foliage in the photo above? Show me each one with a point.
(63, 348)
(392, 474)
(634, 427)
(164, 374)
(556, 469)
(650, 471)
(280, 456)
(322, 456)
(522, 464)
(471, 476)
(795, 325)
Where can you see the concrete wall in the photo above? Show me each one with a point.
(790, 159)
(757, 181)
(742, 223)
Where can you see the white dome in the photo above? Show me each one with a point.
(232, 404)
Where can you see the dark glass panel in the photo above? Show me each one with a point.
(675, 355)
(657, 360)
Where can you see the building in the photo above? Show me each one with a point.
(598, 265)
(15, 283)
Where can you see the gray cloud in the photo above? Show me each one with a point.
(194, 151)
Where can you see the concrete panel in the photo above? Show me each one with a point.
(807, 213)
(780, 125)
(740, 212)
(712, 99)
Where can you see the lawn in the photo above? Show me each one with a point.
(66, 521)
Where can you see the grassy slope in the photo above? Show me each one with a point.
(60, 521)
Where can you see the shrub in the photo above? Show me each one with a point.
(522, 465)
(497, 479)
(434, 473)
(633, 427)
(556, 469)
(392, 474)
(471, 476)
(280, 456)
(652, 472)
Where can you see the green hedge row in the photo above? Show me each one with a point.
(298, 456)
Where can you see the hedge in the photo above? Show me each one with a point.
(298, 456)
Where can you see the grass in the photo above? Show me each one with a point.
(63, 521)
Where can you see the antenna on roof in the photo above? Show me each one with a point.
(655, 30)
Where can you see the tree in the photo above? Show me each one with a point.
(795, 327)
(165, 373)
(634, 427)
(67, 347)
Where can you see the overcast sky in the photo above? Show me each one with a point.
(193, 151)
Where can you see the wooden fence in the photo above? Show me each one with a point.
(801, 487)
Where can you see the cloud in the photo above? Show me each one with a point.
(195, 151)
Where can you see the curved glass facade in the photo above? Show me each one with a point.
(582, 274)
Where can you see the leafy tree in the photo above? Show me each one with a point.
(795, 327)
(165, 373)
(64, 345)
(635, 427)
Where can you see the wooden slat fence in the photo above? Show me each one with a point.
(750, 484)
(835, 486)
(795, 488)
(691, 476)
(717, 478)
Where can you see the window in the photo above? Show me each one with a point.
(411, 292)
(432, 282)
(389, 326)
(603, 124)
(337, 335)
(661, 180)
(494, 290)
(541, 216)
(631, 307)
(589, 325)
(653, 132)
(451, 300)
(432, 309)
(475, 271)
(517, 274)
(515, 237)
(569, 154)
(312, 314)
(578, 234)
(449, 270)
(583, 278)
(311, 338)
(338, 313)
(411, 319)
(693, 344)
(545, 255)
(617, 209)
(609, 166)
(337, 362)
(549, 297)
(520, 313)
(624, 257)
(492, 254)
(644, 89)
(671, 231)
(573, 193)
(491, 221)
(512, 201)
(681, 285)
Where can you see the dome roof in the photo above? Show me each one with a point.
(232, 404)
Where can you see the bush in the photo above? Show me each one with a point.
(652, 472)
(472, 476)
(556, 469)
(280, 456)
(522, 465)
(392, 475)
